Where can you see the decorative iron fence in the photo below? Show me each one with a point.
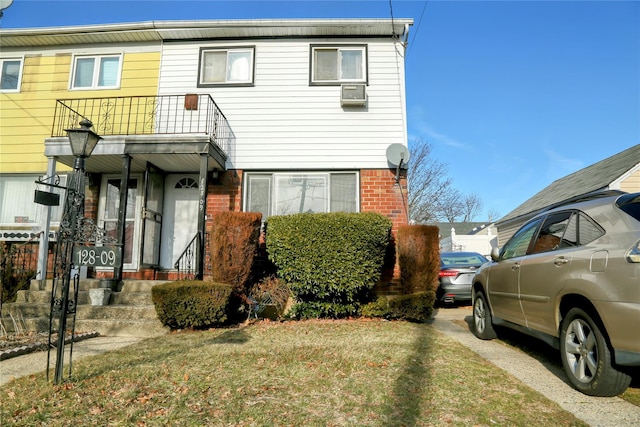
(147, 115)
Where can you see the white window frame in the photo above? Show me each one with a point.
(21, 68)
(272, 197)
(228, 81)
(364, 72)
(96, 72)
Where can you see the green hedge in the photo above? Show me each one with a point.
(329, 259)
(416, 307)
(193, 304)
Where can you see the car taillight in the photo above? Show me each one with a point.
(634, 253)
(447, 273)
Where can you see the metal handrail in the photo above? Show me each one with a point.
(147, 115)
(187, 264)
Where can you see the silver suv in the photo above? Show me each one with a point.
(571, 277)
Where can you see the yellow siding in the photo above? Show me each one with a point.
(632, 183)
(26, 117)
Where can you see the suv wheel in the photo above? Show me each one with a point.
(482, 326)
(586, 357)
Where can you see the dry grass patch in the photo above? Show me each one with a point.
(315, 373)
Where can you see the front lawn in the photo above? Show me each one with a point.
(313, 373)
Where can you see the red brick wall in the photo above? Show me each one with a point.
(380, 193)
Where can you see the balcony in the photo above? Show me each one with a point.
(171, 131)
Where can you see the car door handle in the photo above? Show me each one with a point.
(515, 267)
(560, 261)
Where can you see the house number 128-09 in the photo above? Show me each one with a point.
(97, 256)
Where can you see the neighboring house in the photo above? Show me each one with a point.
(467, 237)
(620, 172)
(273, 116)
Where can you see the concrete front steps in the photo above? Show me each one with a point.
(129, 313)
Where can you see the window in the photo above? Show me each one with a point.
(333, 64)
(226, 66)
(297, 192)
(17, 205)
(517, 246)
(551, 232)
(96, 72)
(10, 80)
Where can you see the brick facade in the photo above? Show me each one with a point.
(379, 192)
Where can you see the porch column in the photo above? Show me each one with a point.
(203, 185)
(122, 212)
(45, 227)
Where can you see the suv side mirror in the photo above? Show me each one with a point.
(495, 254)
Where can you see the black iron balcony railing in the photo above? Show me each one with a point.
(147, 115)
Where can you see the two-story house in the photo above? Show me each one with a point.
(274, 116)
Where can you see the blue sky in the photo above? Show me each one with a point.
(511, 94)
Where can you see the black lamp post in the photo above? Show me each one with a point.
(83, 141)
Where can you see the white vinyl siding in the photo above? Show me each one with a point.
(282, 122)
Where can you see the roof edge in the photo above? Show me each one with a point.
(195, 24)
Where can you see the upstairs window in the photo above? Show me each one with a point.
(11, 74)
(338, 64)
(232, 66)
(96, 72)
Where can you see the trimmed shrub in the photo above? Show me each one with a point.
(194, 304)
(329, 259)
(416, 307)
(233, 243)
(419, 258)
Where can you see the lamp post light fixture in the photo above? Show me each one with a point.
(83, 141)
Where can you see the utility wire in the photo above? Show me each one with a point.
(415, 34)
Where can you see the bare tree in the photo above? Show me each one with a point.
(427, 181)
(431, 196)
(471, 207)
(493, 215)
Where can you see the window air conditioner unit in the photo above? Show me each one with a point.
(353, 94)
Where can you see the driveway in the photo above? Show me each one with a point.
(543, 374)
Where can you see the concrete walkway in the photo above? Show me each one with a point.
(33, 363)
(549, 381)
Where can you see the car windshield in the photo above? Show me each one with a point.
(462, 259)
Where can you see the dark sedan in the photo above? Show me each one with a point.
(456, 271)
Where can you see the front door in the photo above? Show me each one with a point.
(180, 218)
(108, 216)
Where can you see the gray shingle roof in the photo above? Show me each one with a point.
(592, 178)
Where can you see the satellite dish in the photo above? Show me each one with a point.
(3, 5)
(398, 154)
